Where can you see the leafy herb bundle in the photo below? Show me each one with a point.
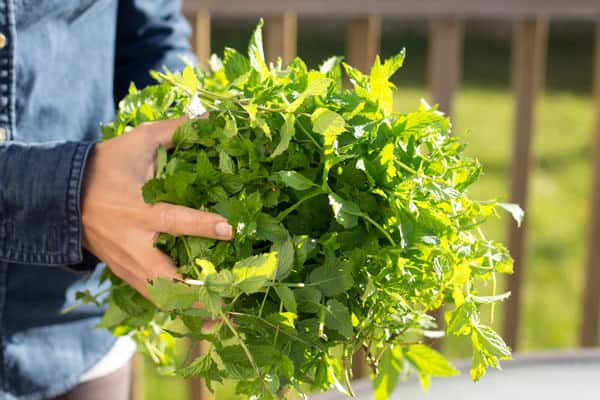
(352, 224)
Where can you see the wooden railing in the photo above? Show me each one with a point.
(446, 19)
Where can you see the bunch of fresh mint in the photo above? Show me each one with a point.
(352, 225)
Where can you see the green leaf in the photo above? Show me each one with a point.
(293, 179)
(189, 79)
(170, 295)
(269, 228)
(492, 342)
(285, 257)
(390, 367)
(286, 295)
(226, 163)
(252, 274)
(308, 299)
(235, 64)
(328, 123)
(333, 277)
(337, 317)
(317, 86)
(517, 213)
(185, 134)
(161, 161)
(490, 299)
(380, 87)
(393, 64)
(346, 212)
(459, 321)
(428, 361)
(112, 317)
(210, 300)
(230, 129)
(286, 134)
(256, 52)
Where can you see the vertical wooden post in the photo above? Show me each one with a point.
(196, 388)
(281, 36)
(359, 365)
(137, 377)
(363, 41)
(445, 60)
(201, 36)
(529, 38)
(591, 293)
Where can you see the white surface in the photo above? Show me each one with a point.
(117, 357)
(557, 376)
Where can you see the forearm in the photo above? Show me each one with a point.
(40, 218)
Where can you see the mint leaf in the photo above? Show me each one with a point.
(517, 213)
(286, 133)
(294, 180)
(333, 277)
(256, 52)
(252, 274)
(337, 317)
(169, 294)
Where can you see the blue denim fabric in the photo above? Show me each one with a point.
(64, 64)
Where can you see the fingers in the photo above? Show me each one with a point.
(179, 220)
(155, 265)
(162, 132)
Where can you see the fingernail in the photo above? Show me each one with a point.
(224, 230)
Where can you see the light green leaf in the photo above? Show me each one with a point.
(230, 129)
(170, 295)
(286, 295)
(252, 274)
(492, 342)
(220, 282)
(380, 88)
(286, 134)
(393, 64)
(346, 212)
(333, 277)
(256, 52)
(490, 299)
(517, 212)
(293, 179)
(226, 163)
(428, 361)
(189, 79)
(337, 317)
(328, 123)
(112, 317)
(210, 300)
(235, 64)
(390, 367)
(285, 257)
(317, 86)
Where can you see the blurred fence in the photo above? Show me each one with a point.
(446, 25)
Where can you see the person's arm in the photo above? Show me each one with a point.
(151, 34)
(40, 219)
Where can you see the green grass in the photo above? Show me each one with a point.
(559, 190)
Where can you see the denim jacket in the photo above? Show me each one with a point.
(63, 64)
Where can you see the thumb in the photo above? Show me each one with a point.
(162, 131)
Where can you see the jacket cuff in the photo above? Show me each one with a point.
(40, 214)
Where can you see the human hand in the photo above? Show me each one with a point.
(118, 227)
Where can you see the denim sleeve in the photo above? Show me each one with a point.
(40, 216)
(151, 34)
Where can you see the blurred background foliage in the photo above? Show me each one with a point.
(483, 116)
